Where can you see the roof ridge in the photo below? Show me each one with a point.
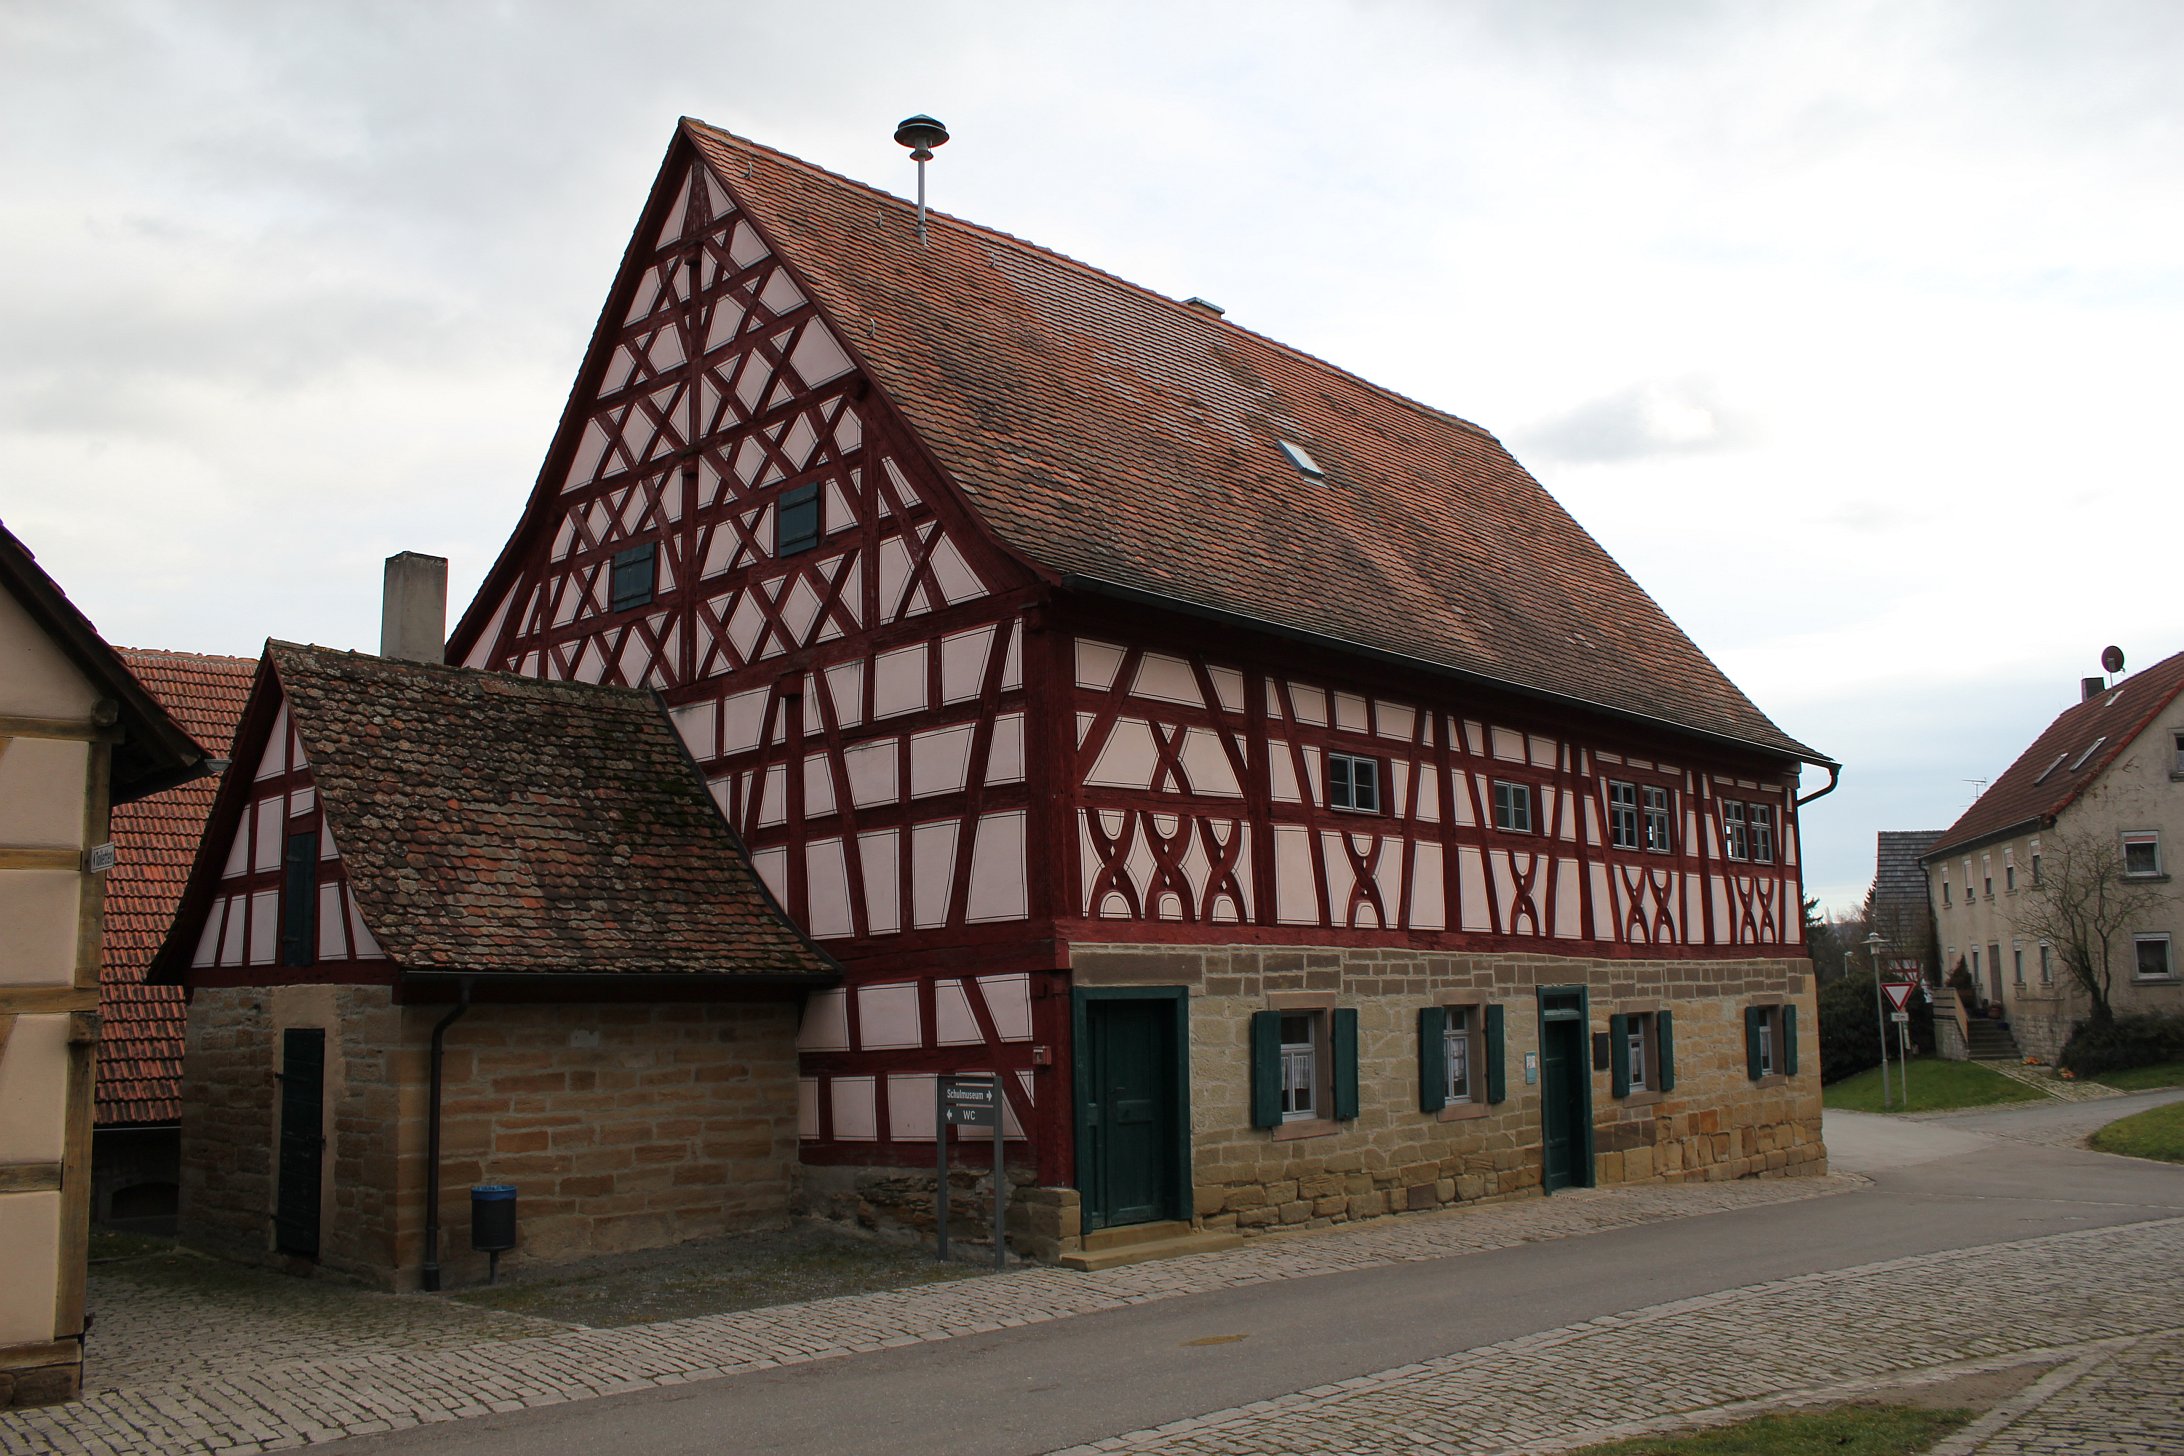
(348, 656)
(180, 652)
(1182, 309)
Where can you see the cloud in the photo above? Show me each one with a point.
(1641, 422)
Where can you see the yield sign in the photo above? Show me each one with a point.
(1899, 993)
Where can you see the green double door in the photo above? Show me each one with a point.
(1131, 1109)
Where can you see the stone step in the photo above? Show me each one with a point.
(1168, 1240)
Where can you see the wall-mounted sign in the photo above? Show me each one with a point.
(98, 859)
(1531, 1069)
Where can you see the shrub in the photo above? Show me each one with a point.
(1850, 1028)
(2138, 1039)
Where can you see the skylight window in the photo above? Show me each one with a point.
(2090, 749)
(1305, 464)
(2051, 768)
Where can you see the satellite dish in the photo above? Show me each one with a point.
(2112, 659)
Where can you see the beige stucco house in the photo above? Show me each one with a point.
(78, 734)
(2108, 772)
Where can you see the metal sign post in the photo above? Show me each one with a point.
(1899, 995)
(972, 1102)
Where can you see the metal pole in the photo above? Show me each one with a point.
(1880, 1010)
(1000, 1184)
(1903, 1062)
(921, 154)
(940, 1184)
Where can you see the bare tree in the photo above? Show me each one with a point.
(2081, 904)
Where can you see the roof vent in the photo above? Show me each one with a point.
(1204, 305)
(1305, 464)
(921, 134)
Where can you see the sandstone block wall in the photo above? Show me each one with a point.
(1716, 1123)
(623, 1126)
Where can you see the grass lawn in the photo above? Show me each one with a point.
(1936, 1086)
(2155, 1133)
(2145, 1079)
(1851, 1430)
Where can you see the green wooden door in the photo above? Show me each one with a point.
(302, 1137)
(1133, 1114)
(1565, 1093)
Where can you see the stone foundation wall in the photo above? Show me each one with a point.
(623, 1126)
(899, 1205)
(1715, 1124)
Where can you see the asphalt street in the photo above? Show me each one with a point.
(1960, 1182)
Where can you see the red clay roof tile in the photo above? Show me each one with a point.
(1125, 440)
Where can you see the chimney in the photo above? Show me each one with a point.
(2090, 688)
(413, 610)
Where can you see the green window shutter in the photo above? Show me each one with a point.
(1432, 1058)
(1619, 1054)
(1664, 1026)
(1789, 1041)
(1266, 1068)
(1752, 1033)
(1497, 1086)
(1345, 1063)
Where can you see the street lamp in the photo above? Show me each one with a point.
(1873, 944)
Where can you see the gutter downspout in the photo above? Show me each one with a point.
(432, 1142)
(1835, 774)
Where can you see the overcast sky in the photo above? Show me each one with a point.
(1852, 330)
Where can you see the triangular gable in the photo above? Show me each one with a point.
(227, 925)
(773, 389)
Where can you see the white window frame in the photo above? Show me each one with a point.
(1505, 806)
(1623, 819)
(2009, 871)
(1986, 875)
(1638, 1033)
(1359, 794)
(1456, 1060)
(1946, 902)
(1660, 823)
(2168, 959)
(2141, 839)
(2017, 963)
(1302, 1066)
(1734, 843)
(2047, 964)
(2176, 766)
(1763, 835)
(1770, 1033)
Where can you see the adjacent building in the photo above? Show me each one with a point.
(78, 734)
(2105, 782)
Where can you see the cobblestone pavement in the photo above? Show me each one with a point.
(309, 1363)
(245, 1360)
(2110, 1302)
(2062, 1124)
(2047, 1081)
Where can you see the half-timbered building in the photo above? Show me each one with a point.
(1256, 769)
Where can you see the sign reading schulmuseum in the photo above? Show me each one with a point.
(970, 1101)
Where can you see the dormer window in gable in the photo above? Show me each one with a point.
(635, 576)
(796, 520)
(1299, 457)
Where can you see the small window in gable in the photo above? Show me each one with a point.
(635, 574)
(1353, 782)
(2142, 855)
(796, 520)
(1306, 465)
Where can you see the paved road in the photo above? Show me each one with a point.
(1948, 1244)
(1938, 1187)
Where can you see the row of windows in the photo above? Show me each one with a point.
(2141, 861)
(1304, 1064)
(634, 577)
(2150, 959)
(1639, 815)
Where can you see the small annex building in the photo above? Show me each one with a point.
(1255, 769)
(449, 925)
(78, 735)
(137, 1124)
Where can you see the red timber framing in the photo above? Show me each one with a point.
(947, 768)
(240, 943)
(1200, 784)
(854, 695)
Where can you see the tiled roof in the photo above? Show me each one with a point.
(1898, 879)
(155, 838)
(1121, 440)
(492, 823)
(2048, 776)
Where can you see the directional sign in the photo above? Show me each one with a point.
(970, 1101)
(1899, 993)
